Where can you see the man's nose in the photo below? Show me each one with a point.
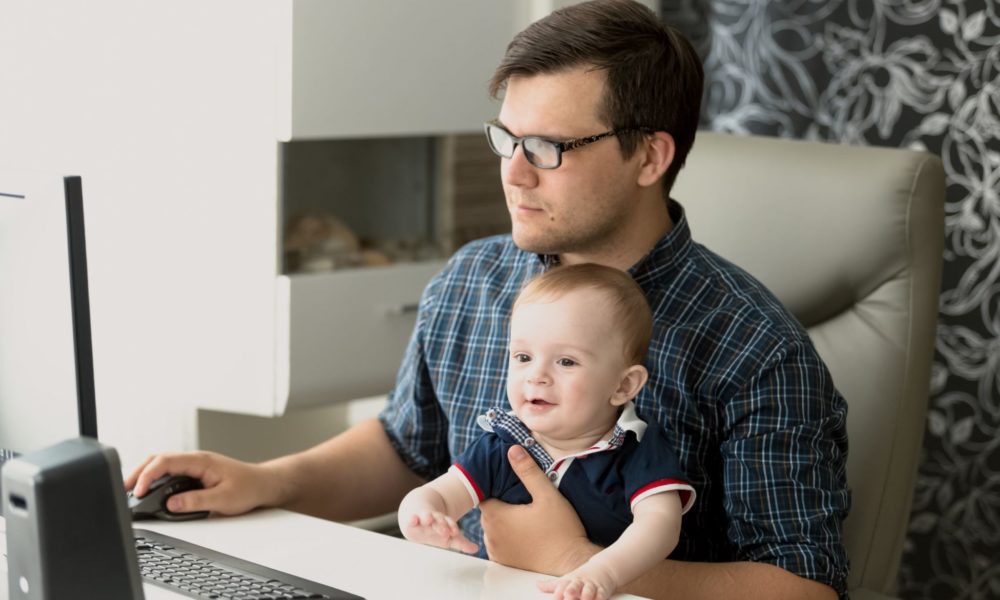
(516, 171)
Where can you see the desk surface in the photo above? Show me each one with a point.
(365, 563)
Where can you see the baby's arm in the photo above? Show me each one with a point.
(650, 538)
(428, 513)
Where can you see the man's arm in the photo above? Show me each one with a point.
(744, 580)
(546, 536)
(354, 475)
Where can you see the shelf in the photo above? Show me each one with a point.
(341, 335)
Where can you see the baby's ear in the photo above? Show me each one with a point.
(633, 378)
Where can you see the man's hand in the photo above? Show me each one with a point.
(232, 487)
(545, 536)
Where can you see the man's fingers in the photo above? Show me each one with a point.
(155, 467)
(192, 465)
(214, 499)
(528, 471)
(190, 501)
(134, 475)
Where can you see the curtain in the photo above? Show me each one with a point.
(921, 74)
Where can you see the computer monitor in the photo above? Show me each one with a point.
(46, 360)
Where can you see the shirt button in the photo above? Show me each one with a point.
(553, 476)
(491, 414)
(529, 442)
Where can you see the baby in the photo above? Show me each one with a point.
(578, 338)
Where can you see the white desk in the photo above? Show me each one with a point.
(368, 564)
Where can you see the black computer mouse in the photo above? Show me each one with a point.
(154, 504)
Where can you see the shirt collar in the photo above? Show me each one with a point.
(505, 424)
(548, 260)
(670, 251)
(629, 421)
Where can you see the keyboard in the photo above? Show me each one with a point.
(199, 572)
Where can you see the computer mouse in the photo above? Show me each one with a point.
(154, 504)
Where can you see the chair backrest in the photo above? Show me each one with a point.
(850, 239)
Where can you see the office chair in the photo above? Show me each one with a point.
(850, 239)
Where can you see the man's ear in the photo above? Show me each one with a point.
(658, 154)
(633, 378)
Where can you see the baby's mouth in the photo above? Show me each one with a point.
(539, 402)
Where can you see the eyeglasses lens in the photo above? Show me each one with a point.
(541, 153)
(501, 141)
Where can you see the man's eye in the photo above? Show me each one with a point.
(566, 362)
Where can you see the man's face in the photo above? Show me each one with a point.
(583, 206)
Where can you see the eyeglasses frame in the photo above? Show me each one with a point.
(561, 147)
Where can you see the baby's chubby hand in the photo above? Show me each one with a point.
(436, 529)
(580, 585)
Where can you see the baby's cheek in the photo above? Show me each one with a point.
(581, 391)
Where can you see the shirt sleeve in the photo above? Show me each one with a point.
(479, 467)
(784, 467)
(413, 419)
(653, 469)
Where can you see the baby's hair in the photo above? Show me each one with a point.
(625, 298)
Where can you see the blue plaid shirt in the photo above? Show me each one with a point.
(735, 381)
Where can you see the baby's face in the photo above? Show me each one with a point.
(566, 362)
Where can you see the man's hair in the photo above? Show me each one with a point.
(654, 78)
(625, 299)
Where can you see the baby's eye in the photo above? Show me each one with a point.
(566, 362)
(521, 357)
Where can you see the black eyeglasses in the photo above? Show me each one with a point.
(540, 152)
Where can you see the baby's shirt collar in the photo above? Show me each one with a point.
(511, 429)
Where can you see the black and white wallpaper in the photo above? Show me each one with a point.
(903, 73)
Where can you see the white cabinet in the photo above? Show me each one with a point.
(372, 68)
(345, 331)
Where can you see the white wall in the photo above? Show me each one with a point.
(138, 98)
(171, 112)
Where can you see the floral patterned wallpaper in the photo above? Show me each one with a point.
(919, 74)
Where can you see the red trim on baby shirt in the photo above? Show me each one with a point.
(685, 494)
(479, 492)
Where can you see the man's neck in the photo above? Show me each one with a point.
(639, 237)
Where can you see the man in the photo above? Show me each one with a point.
(600, 107)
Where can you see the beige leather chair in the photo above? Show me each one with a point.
(850, 239)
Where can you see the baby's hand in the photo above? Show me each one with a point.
(580, 584)
(437, 529)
